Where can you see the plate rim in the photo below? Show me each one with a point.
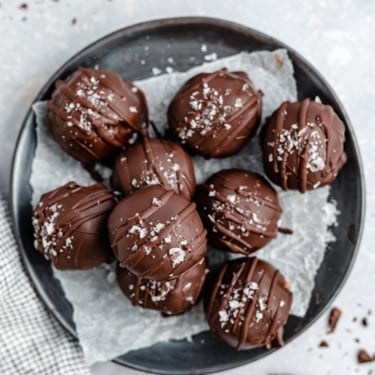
(151, 25)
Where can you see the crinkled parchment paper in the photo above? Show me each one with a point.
(106, 322)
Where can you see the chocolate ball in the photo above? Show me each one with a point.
(240, 209)
(156, 234)
(248, 304)
(215, 114)
(154, 162)
(93, 114)
(303, 145)
(173, 296)
(70, 226)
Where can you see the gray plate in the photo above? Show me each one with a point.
(181, 38)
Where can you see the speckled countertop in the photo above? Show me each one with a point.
(337, 36)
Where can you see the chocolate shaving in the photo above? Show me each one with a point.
(364, 357)
(323, 344)
(285, 230)
(364, 322)
(24, 6)
(333, 319)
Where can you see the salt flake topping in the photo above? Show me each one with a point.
(177, 255)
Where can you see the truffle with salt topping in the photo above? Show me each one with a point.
(303, 145)
(156, 234)
(93, 114)
(170, 297)
(248, 304)
(70, 226)
(240, 209)
(215, 114)
(154, 162)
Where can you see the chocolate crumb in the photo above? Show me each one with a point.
(24, 6)
(364, 322)
(357, 340)
(364, 357)
(74, 21)
(354, 319)
(333, 319)
(285, 230)
(323, 344)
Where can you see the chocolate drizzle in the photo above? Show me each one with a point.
(249, 304)
(240, 209)
(214, 114)
(303, 145)
(70, 226)
(94, 113)
(156, 234)
(154, 162)
(172, 296)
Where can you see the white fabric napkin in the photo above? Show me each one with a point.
(31, 341)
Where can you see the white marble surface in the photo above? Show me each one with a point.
(337, 36)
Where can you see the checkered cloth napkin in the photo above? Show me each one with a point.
(31, 341)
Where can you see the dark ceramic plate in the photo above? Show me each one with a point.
(181, 38)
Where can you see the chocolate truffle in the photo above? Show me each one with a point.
(173, 296)
(70, 226)
(93, 114)
(154, 162)
(303, 145)
(156, 234)
(248, 304)
(215, 114)
(240, 209)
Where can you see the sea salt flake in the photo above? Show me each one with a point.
(232, 198)
(238, 103)
(156, 202)
(223, 316)
(233, 304)
(177, 255)
(168, 239)
(258, 316)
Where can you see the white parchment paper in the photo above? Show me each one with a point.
(106, 322)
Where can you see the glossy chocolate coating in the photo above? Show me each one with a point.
(215, 114)
(154, 162)
(240, 209)
(156, 234)
(303, 145)
(93, 114)
(70, 225)
(173, 296)
(248, 304)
